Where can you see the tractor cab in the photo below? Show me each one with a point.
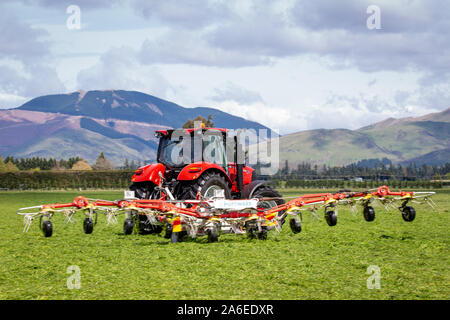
(179, 148)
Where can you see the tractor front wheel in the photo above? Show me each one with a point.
(206, 184)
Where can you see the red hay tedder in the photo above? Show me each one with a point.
(201, 187)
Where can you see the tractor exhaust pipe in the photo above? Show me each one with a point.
(239, 165)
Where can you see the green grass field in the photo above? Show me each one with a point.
(321, 262)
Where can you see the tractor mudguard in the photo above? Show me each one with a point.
(250, 188)
(196, 169)
(149, 173)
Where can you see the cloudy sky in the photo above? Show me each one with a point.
(291, 65)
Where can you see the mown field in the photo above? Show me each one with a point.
(321, 262)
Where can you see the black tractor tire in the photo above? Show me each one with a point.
(142, 190)
(369, 213)
(47, 228)
(213, 235)
(295, 225)
(146, 190)
(88, 225)
(408, 214)
(204, 184)
(331, 218)
(267, 192)
(128, 226)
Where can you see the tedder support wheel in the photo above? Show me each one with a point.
(251, 232)
(88, 225)
(331, 218)
(169, 229)
(145, 227)
(128, 225)
(408, 214)
(175, 237)
(369, 213)
(262, 235)
(296, 226)
(47, 228)
(213, 235)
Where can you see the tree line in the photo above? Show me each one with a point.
(67, 179)
(12, 164)
(365, 184)
(377, 170)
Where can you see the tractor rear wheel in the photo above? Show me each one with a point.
(273, 199)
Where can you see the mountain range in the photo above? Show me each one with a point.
(122, 125)
(84, 123)
(424, 139)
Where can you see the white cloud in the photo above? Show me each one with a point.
(25, 66)
(118, 68)
(232, 92)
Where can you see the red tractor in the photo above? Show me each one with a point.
(178, 176)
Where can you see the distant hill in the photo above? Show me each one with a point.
(84, 123)
(131, 106)
(424, 139)
(437, 157)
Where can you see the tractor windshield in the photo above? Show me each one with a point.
(171, 151)
(179, 151)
